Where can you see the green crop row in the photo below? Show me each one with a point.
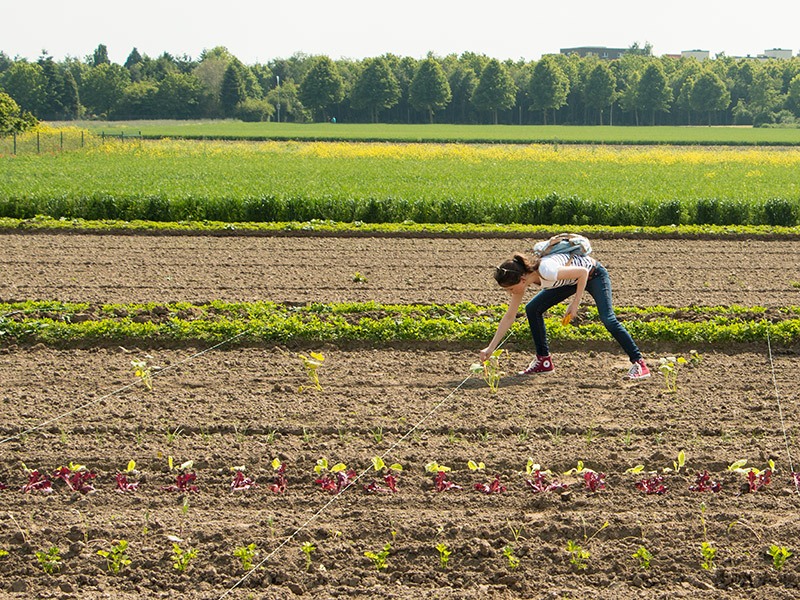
(424, 183)
(249, 323)
(406, 228)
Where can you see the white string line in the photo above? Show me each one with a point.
(324, 507)
(118, 391)
(780, 413)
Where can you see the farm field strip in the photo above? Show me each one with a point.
(444, 133)
(130, 269)
(243, 407)
(275, 181)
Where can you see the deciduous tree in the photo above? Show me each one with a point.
(429, 90)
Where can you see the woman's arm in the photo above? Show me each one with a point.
(581, 275)
(505, 324)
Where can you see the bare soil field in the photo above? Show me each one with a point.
(114, 268)
(409, 405)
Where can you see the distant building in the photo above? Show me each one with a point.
(599, 51)
(700, 55)
(776, 53)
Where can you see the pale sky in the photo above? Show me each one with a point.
(262, 30)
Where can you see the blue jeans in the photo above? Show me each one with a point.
(600, 289)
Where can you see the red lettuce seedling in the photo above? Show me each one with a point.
(595, 482)
(77, 478)
(390, 474)
(3, 486)
(704, 483)
(335, 479)
(492, 487)
(796, 479)
(184, 482)
(654, 485)
(758, 479)
(538, 483)
(279, 482)
(37, 482)
(123, 485)
(240, 481)
(440, 482)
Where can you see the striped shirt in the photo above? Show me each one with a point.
(549, 266)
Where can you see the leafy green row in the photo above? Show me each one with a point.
(267, 322)
(406, 228)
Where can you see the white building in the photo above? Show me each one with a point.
(700, 55)
(777, 53)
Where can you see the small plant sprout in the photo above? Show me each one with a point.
(513, 561)
(390, 474)
(779, 554)
(473, 466)
(577, 555)
(679, 463)
(240, 481)
(379, 559)
(50, 560)
(279, 482)
(444, 554)
(536, 479)
(708, 553)
(312, 364)
(359, 278)
(3, 553)
(116, 557)
(143, 372)
(246, 554)
(694, 358)
(307, 548)
(181, 558)
(669, 366)
(490, 371)
(644, 557)
(335, 479)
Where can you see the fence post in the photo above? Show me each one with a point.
(81, 138)
(15, 143)
(38, 146)
(103, 136)
(62, 141)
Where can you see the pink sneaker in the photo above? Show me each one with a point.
(638, 370)
(540, 364)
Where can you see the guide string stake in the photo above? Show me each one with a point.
(780, 413)
(325, 506)
(117, 391)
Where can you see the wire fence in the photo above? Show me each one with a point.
(57, 140)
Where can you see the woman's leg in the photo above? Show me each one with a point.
(600, 289)
(535, 310)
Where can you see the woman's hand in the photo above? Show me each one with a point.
(572, 309)
(486, 354)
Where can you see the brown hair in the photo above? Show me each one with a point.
(511, 271)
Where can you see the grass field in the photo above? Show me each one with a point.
(450, 133)
(384, 182)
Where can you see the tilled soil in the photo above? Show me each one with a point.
(248, 406)
(123, 268)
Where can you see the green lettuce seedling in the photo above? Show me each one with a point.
(312, 364)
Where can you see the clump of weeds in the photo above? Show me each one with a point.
(779, 554)
(182, 558)
(380, 559)
(50, 559)
(444, 554)
(644, 557)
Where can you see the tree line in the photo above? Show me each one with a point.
(636, 89)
